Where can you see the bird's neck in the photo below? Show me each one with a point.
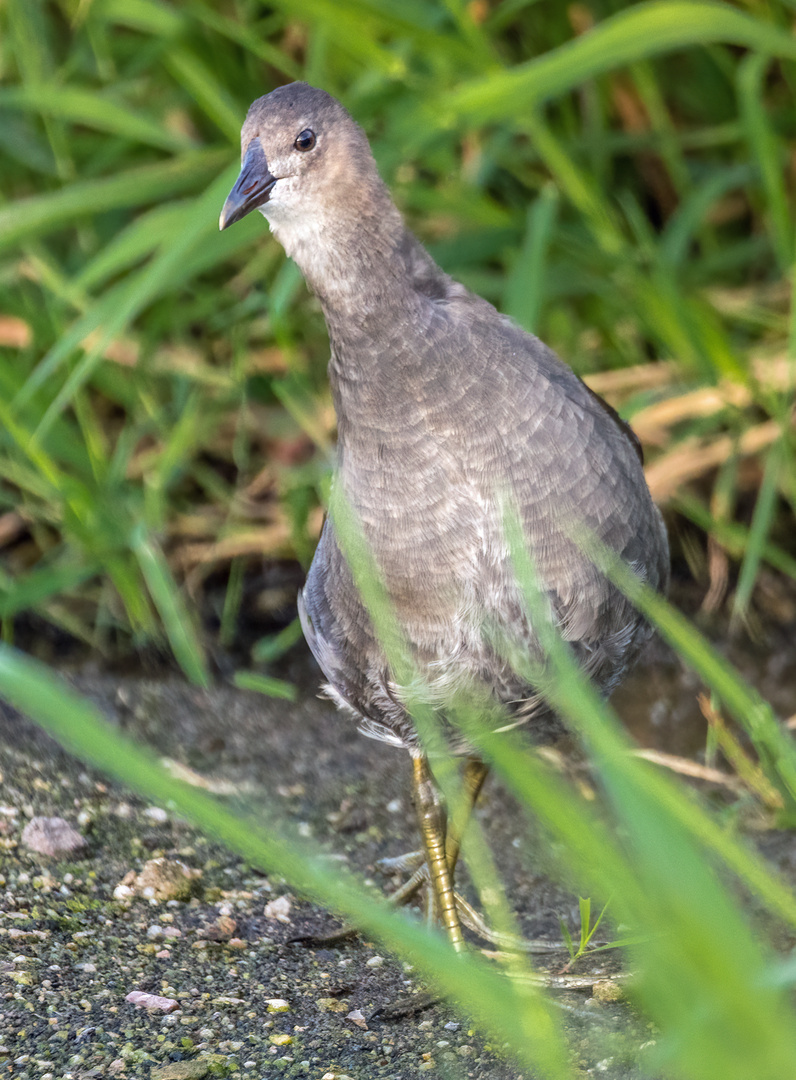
(363, 266)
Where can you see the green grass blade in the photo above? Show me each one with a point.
(82, 106)
(136, 187)
(769, 155)
(699, 958)
(774, 746)
(762, 524)
(524, 290)
(117, 310)
(733, 536)
(265, 684)
(166, 596)
(201, 83)
(30, 591)
(272, 648)
(644, 30)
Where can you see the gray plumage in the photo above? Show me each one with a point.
(445, 410)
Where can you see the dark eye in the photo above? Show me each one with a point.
(306, 140)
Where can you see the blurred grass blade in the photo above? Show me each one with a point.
(644, 30)
(139, 239)
(681, 229)
(112, 316)
(733, 536)
(762, 524)
(40, 213)
(167, 599)
(265, 684)
(272, 648)
(253, 40)
(524, 290)
(755, 716)
(148, 16)
(30, 591)
(699, 958)
(769, 154)
(82, 106)
(201, 83)
(577, 185)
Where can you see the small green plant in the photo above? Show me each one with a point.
(587, 931)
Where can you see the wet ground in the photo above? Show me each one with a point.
(70, 952)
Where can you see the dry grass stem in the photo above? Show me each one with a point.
(687, 767)
(693, 458)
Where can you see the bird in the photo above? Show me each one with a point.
(445, 408)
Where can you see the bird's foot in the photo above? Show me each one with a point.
(398, 864)
(477, 924)
(419, 884)
(410, 1005)
(325, 941)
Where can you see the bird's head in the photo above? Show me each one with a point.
(302, 155)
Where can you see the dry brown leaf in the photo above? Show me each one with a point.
(650, 424)
(11, 526)
(14, 333)
(633, 379)
(122, 351)
(270, 539)
(692, 458)
(719, 575)
(768, 294)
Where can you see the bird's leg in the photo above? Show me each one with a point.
(475, 772)
(473, 777)
(431, 816)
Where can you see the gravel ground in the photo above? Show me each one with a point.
(79, 932)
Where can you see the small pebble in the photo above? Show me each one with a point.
(278, 909)
(152, 1001)
(51, 836)
(160, 880)
(607, 991)
(276, 1005)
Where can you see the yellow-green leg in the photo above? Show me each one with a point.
(475, 773)
(431, 817)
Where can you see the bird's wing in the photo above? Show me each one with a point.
(572, 467)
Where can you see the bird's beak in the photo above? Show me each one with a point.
(252, 188)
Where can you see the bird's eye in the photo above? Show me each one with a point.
(306, 140)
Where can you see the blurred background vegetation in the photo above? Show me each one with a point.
(618, 177)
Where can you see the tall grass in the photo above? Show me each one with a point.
(616, 177)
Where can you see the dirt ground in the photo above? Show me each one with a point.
(72, 949)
